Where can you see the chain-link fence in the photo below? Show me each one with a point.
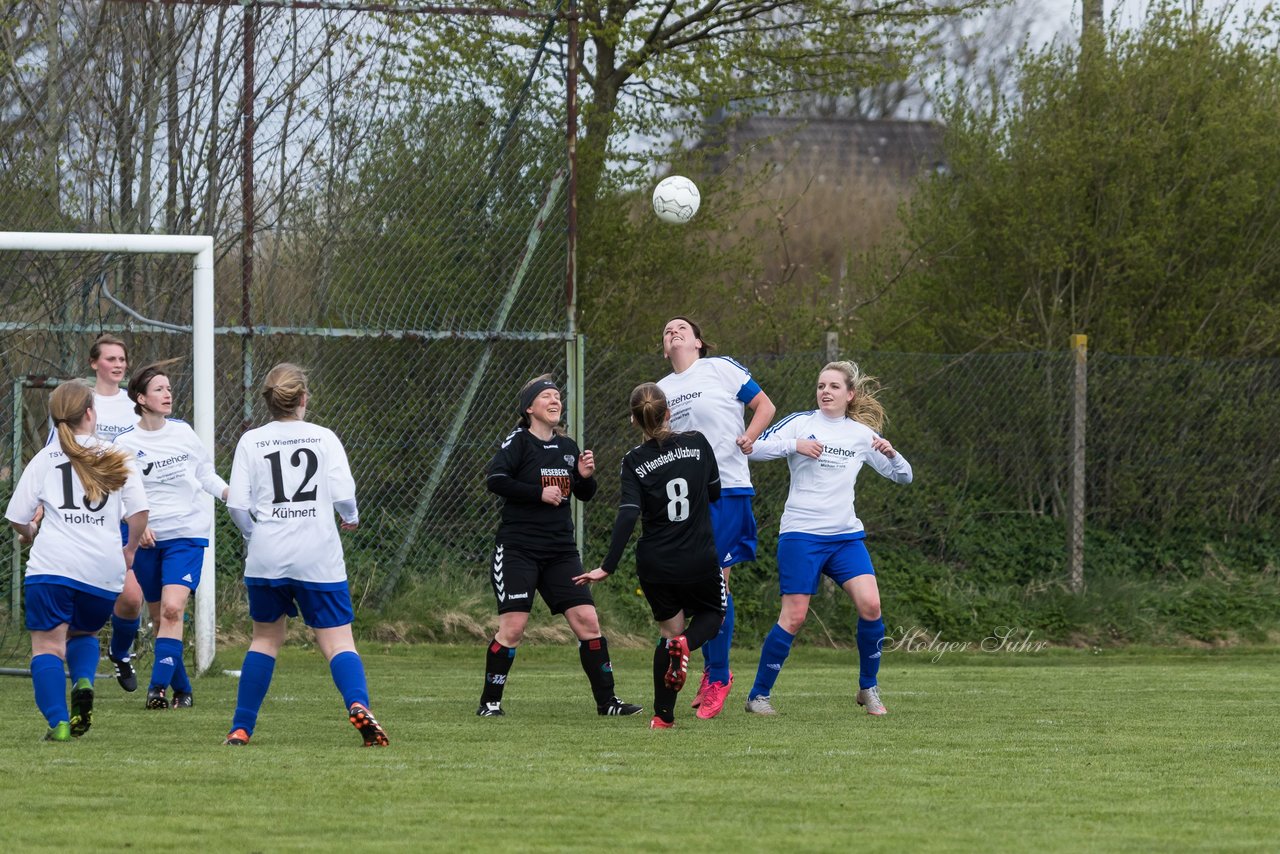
(409, 248)
(1172, 444)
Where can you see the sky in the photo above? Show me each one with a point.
(1059, 15)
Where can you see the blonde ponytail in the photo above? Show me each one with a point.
(101, 470)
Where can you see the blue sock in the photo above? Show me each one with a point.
(82, 657)
(255, 679)
(168, 653)
(870, 639)
(123, 634)
(773, 654)
(50, 684)
(180, 681)
(715, 652)
(348, 675)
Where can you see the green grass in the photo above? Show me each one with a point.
(1062, 750)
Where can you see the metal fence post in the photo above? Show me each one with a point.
(575, 359)
(1075, 510)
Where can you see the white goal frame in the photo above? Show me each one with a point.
(201, 247)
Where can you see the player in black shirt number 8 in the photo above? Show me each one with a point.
(670, 481)
(535, 471)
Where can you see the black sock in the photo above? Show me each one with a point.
(702, 627)
(594, 654)
(497, 664)
(664, 699)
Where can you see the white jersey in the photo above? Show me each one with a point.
(115, 414)
(176, 468)
(78, 540)
(710, 396)
(287, 475)
(822, 490)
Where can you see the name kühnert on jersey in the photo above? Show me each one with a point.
(667, 458)
(293, 513)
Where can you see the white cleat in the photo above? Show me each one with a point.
(761, 706)
(870, 698)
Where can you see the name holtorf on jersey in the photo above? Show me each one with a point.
(669, 457)
(84, 519)
(290, 513)
(302, 440)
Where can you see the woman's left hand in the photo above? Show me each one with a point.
(587, 464)
(597, 574)
(883, 446)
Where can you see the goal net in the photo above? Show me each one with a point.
(60, 291)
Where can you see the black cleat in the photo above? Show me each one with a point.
(156, 699)
(81, 707)
(617, 707)
(370, 730)
(490, 710)
(124, 673)
(181, 700)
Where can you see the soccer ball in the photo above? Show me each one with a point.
(676, 199)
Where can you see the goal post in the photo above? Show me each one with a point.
(201, 248)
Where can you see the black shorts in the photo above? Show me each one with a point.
(516, 574)
(705, 596)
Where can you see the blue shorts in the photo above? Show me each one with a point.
(54, 602)
(804, 559)
(734, 527)
(322, 607)
(176, 561)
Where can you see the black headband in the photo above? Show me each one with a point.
(531, 393)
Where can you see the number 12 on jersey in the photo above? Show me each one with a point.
(301, 458)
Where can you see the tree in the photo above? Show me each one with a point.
(656, 67)
(1133, 198)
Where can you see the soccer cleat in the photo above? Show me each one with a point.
(156, 699)
(702, 690)
(870, 698)
(236, 737)
(761, 705)
(713, 701)
(659, 723)
(678, 668)
(81, 707)
(370, 730)
(490, 710)
(182, 700)
(617, 707)
(125, 675)
(61, 732)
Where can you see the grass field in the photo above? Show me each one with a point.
(1061, 750)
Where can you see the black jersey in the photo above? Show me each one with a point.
(670, 486)
(519, 471)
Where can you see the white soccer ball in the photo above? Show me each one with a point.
(676, 199)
